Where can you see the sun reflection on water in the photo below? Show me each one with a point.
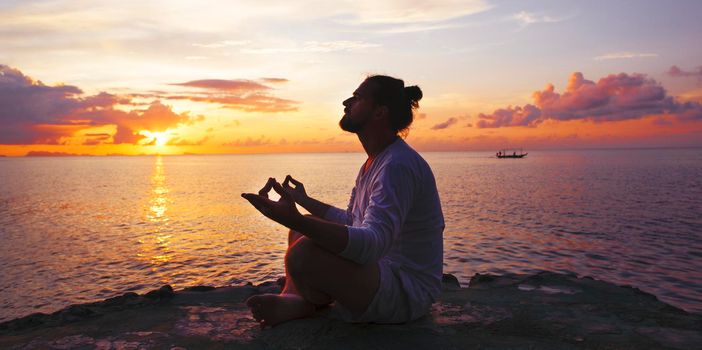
(159, 192)
(156, 245)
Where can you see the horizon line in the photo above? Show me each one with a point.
(49, 154)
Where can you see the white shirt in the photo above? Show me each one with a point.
(395, 214)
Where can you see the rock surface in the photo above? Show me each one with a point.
(544, 311)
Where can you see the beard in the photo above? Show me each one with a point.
(349, 125)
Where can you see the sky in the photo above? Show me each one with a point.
(196, 77)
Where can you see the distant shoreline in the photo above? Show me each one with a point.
(47, 154)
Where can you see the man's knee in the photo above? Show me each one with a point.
(301, 256)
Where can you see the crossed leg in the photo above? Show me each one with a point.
(315, 277)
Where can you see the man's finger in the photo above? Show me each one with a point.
(261, 204)
(286, 181)
(295, 182)
(267, 188)
(281, 191)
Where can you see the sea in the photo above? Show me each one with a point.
(82, 229)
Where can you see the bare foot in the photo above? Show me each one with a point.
(272, 309)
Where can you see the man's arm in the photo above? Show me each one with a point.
(298, 193)
(315, 207)
(331, 236)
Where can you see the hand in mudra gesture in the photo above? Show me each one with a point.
(283, 211)
(298, 192)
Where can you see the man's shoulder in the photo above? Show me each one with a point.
(404, 155)
(403, 159)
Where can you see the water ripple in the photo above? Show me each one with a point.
(123, 224)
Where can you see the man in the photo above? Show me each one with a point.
(381, 259)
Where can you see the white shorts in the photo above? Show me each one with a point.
(389, 305)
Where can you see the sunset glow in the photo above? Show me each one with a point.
(159, 139)
(260, 78)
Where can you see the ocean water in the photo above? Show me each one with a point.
(82, 229)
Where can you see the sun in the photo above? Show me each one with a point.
(158, 138)
(161, 138)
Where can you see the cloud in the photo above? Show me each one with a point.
(315, 47)
(414, 28)
(248, 103)
(408, 11)
(239, 94)
(446, 124)
(96, 139)
(528, 18)
(510, 116)
(275, 80)
(54, 154)
(226, 85)
(675, 71)
(613, 98)
(221, 44)
(177, 141)
(30, 27)
(624, 55)
(249, 142)
(32, 112)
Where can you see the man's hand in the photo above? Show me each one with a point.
(283, 211)
(298, 192)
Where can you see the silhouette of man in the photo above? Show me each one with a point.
(381, 259)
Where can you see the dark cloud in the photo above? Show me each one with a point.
(446, 124)
(96, 139)
(34, 113)
(612, 98)
(675, 71)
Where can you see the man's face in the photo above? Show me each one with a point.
(358, 109)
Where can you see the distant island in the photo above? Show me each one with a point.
(66, 154)
(54, 154)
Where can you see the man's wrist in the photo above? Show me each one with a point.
(297, 222)
(304, 202)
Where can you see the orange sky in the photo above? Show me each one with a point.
(253, 78)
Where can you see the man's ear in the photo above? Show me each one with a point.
(382, 112)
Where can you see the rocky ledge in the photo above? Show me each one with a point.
(544, 310)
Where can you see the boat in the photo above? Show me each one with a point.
(510, 153)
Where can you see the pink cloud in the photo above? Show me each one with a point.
(612, 98)
(512, 116)
(226, 85)
(446, 124)
(32, 112)
(244, 95)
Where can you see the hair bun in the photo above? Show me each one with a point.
(414, 94)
